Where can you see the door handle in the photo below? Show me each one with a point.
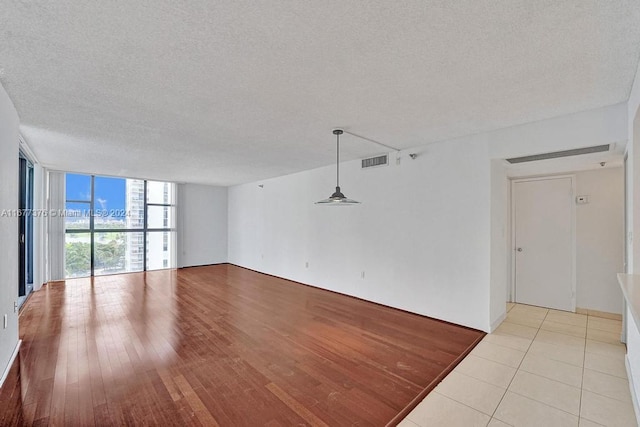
(22, 238)
(519, 249)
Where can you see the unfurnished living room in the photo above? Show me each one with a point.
(330, 213)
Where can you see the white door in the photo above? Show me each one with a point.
(543, 236)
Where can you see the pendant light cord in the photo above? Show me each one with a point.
(338, 160)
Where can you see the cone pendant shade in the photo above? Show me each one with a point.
(337, 198)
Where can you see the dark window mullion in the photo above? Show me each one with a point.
(92, 225)
(146, 225)
(145, 230)
(118, 230)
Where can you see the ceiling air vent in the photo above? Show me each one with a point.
(555, 155)
(375, 161)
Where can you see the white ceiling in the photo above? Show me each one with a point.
(230, 91)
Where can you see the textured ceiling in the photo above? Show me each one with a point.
(231, 91)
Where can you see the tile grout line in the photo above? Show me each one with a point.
(583, 367)
(507, 388)
(458, 402)
(581, 378)
(602, 373)
(518, 368)
(508, 348)
(559, 382)
(584, 359)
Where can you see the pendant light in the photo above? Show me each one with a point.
(337, 198)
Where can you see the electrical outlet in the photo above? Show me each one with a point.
(306, 264)
(582, 200)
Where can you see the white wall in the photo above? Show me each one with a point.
(499, 243)
(56, 227)
(605, 125)
(633, 163)
(600, 239)
(425, 235)
(39, 228)
(633, 231)
(402, 236)
(633, 361)
(9, 141)
(202, 225)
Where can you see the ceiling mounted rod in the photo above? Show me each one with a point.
(371, 140)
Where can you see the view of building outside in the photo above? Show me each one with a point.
(118, 232)
(134, 247)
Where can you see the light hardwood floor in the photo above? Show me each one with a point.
(219, 345)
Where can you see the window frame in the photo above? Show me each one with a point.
(92, 230)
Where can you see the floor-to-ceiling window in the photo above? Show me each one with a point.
(160, 216)
(117, 225)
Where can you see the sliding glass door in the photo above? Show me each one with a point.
(117, 225)
(25, 228)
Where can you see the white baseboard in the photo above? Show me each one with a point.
(632, 388)
(11, 360)
(497, 322)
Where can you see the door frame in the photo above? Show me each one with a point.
(627, 252)
(512, 230)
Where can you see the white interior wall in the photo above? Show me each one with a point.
(605, 125)
(425, 235)
(43, 227)
(600, 239)
(39, 228)
(55, 226)
(633, 361)
(202, 225)
(421, 235)
(499, 243)
(9, 141)
(628, 188)
(633, 163)
(633, 232)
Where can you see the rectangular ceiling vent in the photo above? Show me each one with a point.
(555, 155)
(375, 161)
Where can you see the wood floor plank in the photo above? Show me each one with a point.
(194, 402)
(295, 406)
(219, 345)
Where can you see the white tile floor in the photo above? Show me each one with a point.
(539, 368)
